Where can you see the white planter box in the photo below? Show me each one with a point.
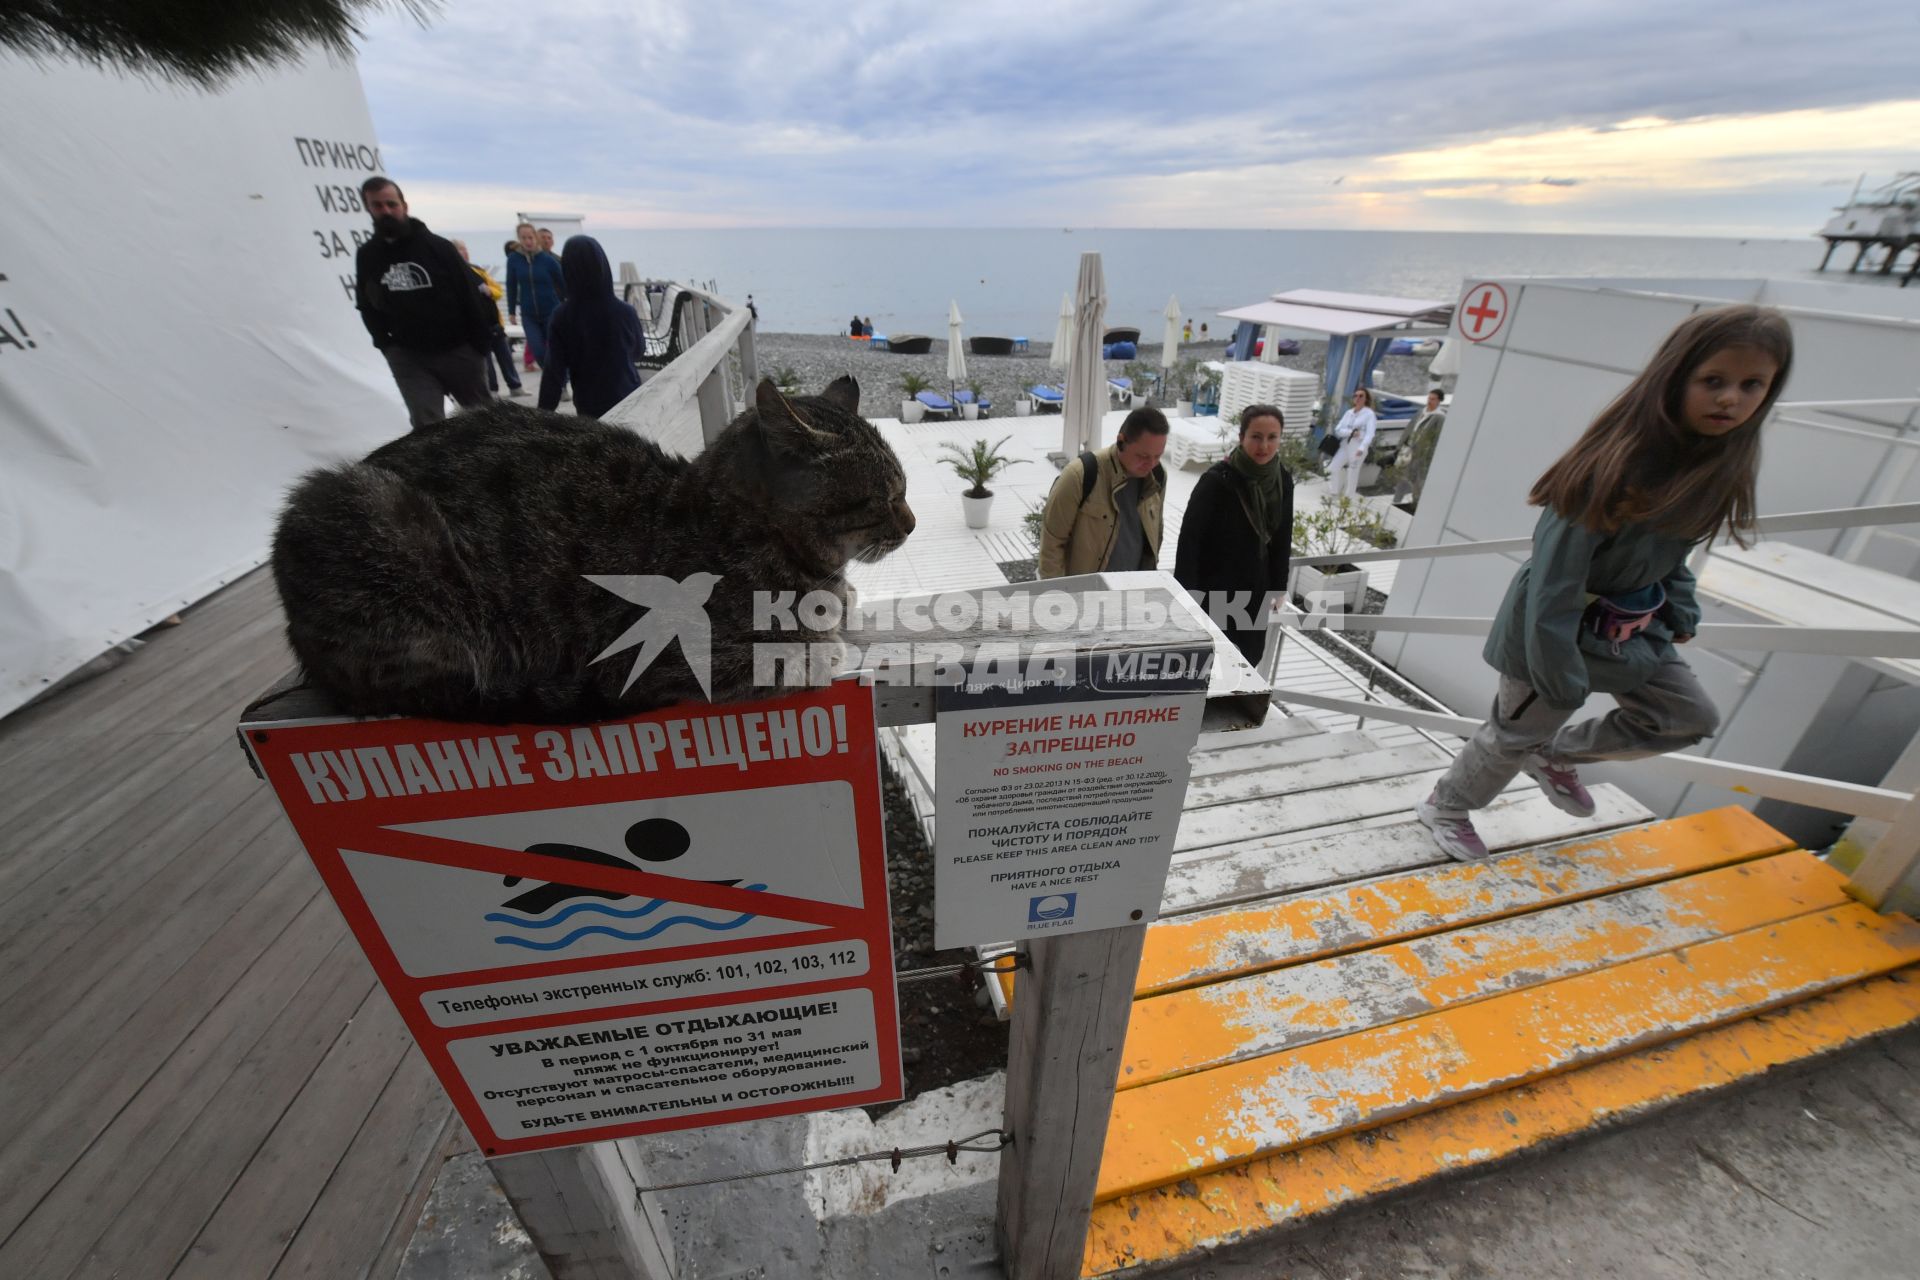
(912, 411)
(970, 411)
(978, 510)
(1023, 408)
(1183, 409)
(1137, 400)
(1323, 592)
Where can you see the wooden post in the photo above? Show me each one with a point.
(1070, 1013)
(749, 362)
(579, 1206)
(716, 406)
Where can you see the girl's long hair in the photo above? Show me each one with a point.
(1639, 463)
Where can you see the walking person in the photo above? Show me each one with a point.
(1236, 541)
(422, 307)
(1354, 431)
(594, 337)
(497, 340)
(1104, 510)
(1607, 594)
(535, 287)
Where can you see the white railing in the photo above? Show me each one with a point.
(1794, 788)
(1792, 522)
(688, 403)
(1844, 642)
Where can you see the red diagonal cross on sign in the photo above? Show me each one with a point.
(1484, 312)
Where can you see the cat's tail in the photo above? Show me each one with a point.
(378, 599)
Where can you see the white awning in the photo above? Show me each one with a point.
(1406, 307)
(1328, 320)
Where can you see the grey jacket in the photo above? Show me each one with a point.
(1537, 636)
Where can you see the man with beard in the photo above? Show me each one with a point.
(422, 308)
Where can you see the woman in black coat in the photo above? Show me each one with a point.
(1237, 536)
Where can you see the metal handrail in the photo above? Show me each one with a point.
(1845, 642)
(1775, 784)
(1789, 522)
(1273, 653)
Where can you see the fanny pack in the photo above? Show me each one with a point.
(1618, 619)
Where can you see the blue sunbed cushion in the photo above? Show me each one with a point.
(1049, 394)
(934, 400)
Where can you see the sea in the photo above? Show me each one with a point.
(1009, 281)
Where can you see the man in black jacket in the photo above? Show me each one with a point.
(426, 312)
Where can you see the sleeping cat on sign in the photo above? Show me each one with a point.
(475, 570)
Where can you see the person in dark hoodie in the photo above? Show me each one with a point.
(1237, 538)
(422, 308)
(593, 338)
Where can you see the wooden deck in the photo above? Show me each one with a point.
(198, 1073)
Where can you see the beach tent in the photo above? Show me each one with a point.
(1086, 372)
(1359, 329)
(563, 225)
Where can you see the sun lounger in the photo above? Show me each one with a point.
(936, 403)
(1048, 396)
(966, 397)
(1120, 388)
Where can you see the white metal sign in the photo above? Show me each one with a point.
(1056, 805)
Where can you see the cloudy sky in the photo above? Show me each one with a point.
(1731, 117)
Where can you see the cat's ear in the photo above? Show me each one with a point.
(781, 422)
(843, 392)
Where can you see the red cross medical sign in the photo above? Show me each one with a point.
(1483, 311)
(598, 931)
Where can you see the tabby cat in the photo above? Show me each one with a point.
(445, 574)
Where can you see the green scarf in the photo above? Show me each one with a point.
(1265, 506)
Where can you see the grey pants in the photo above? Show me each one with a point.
(1668, 712)
(427, 378)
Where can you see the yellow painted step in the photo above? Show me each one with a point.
(1171, 1222)
(1203, 948)
(1231, 1114)
(1223, 1022)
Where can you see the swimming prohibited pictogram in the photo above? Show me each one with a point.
(596, 931)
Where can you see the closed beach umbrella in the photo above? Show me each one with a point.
(1270, 354)
(1087, 373)
(956, 354)
(1063, 334)
(1170, 339)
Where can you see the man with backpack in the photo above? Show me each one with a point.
(1104, 511)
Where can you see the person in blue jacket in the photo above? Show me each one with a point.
(1607, 595)
(594, 337)
(535, 288)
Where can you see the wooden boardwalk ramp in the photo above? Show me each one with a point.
(1327, 1011)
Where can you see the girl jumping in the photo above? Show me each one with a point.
(1606, 595)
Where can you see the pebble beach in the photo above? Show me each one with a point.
(817, 359)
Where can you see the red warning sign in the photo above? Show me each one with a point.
(599, 931)
(1483, 311)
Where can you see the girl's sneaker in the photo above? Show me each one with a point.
(1452, 831)
(1561, 782)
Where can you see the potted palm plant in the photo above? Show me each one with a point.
(971, 410)
(977, 466)
(1182, 376)
(1023, 405)
(1140, 374)
(911, 385)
